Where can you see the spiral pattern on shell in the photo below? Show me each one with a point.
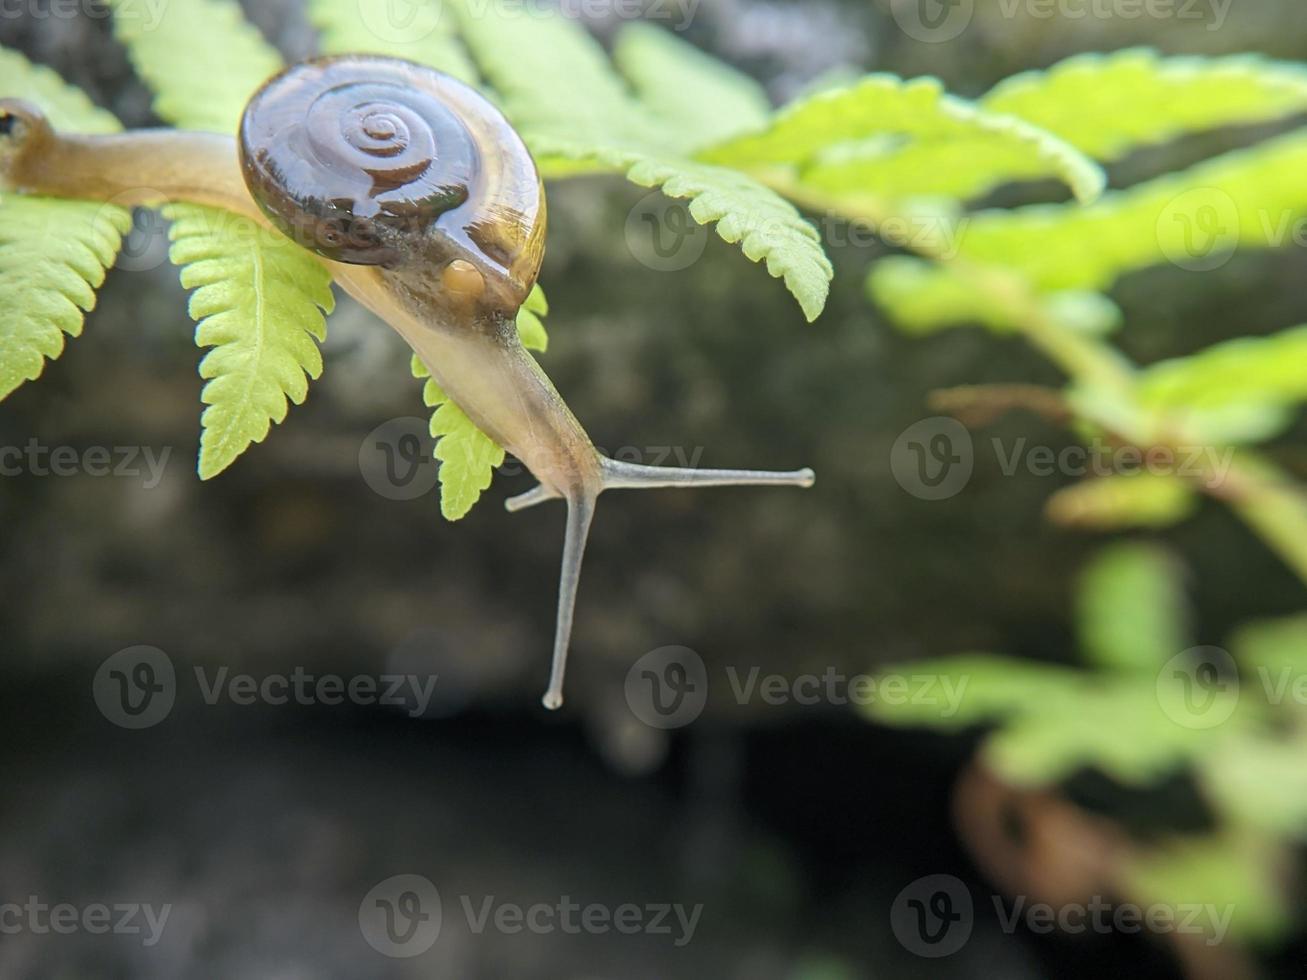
(378, 161)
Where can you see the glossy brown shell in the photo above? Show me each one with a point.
(379, 161)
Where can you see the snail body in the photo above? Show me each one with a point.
(426, 206)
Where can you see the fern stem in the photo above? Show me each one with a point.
(1272, 505)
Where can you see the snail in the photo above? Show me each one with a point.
(426, 207)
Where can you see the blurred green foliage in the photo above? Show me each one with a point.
(1147, 706)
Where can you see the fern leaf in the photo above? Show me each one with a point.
(554, 80)
(765, 225)
(850, 141)
(468, 457)
(1195, 219)
(576, 114)
(703, 97)
(203, 60)
(990, 689)
(421, 32)
(1249, 371)
(1120, 730)
(1131, 609)
(1128, 500)
(53, 253)
(1273, 645)
(530, 322)
(923, 297)
(1108, 105)
(53, 257)
(67, 106)
(259, 301)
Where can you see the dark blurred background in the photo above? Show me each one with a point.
(795, 826)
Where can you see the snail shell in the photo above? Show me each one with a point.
(370, 160)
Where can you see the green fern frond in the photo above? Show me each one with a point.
(468, 457)
(1249, 198)
(202, 60)
(67, 106)
(1103, 105)
(1108, 105)
(765, 225)
(554, 80)
(577, 115)
(54, 254)
(421, 32)
(53, 257)
(703, 97)
(923, 297)
(1123, 501)
(991, 689)
(1245, 371)
(259, 302)
(258, 298)
(849, 140)
(1131, 607)
(530, 322)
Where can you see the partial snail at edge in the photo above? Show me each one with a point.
(426, 206)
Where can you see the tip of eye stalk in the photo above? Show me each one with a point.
(24, 129)
(553, 700)
(20, 119)
(806, 477)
